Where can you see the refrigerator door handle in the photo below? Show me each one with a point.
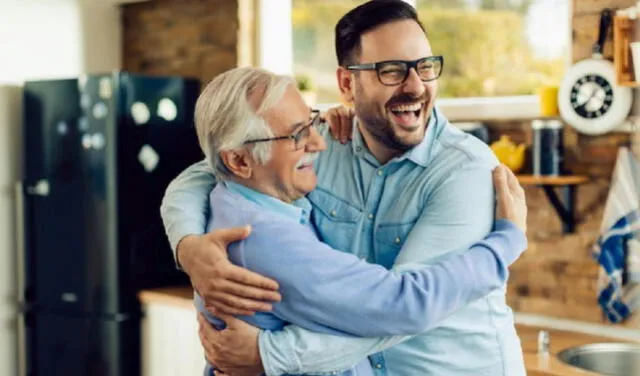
(20, 275)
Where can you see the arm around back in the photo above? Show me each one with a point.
(330, 291)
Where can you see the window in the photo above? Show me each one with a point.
(314, 56)
(491, 47)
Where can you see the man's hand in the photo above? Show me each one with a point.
(340, 121)
(223, 286)
(511, 201)
(233, 350)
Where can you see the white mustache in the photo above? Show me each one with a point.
(307, 159)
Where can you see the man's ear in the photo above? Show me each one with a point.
(345, 84)
(238, 162)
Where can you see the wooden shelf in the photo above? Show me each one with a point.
(565, 206)
(552, 180)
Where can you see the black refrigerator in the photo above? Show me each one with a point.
(99, 152)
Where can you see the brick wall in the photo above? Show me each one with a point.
(194, 38)
(557, 275)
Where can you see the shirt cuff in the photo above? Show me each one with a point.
(517, 236)
(180, 231)
(516, 239)
(276, 354)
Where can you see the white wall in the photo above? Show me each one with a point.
(101, 36)
(42, 39)
(39, 39)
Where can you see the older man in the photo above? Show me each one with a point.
(261, 143)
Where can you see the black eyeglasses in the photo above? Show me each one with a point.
(395, 72)
(300, 137)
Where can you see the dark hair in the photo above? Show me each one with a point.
(364, 18)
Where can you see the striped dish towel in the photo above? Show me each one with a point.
(618, 247)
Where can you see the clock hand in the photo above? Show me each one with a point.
(584, 104)
(593, 94)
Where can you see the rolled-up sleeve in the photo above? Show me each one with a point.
(185, 205)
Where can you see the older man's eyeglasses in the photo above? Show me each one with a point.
(301, 136)
(395, 72)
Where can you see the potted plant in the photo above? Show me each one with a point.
(305, 86)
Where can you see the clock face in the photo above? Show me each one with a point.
(591, 96)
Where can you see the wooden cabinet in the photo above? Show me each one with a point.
(624, 32)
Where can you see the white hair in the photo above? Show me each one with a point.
(225, 118)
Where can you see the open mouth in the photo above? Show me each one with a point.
(407, 114)
(305, 166)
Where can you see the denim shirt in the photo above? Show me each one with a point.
(333, 292)
(436, 199)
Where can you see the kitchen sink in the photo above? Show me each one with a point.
(614, 359)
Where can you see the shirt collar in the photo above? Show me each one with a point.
(299, 211)
(419, 154)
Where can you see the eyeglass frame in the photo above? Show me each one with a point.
(315, 121)
(410, 64)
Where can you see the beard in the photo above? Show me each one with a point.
(378, 125)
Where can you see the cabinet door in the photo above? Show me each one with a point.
(170, 343)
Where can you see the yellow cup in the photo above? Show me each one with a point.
(548, 96)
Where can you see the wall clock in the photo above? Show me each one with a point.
(589, 99)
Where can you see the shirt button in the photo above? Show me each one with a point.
(358, 149)
(380, 172)
(397, 241)
(370, 216)
(378, 366)
(333, 213)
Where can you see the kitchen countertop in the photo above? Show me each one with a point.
(536, 364)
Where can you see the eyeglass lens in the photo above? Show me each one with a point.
(392, 73)
(303, 134)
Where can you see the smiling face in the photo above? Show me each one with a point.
(392, 118)
(289, 174)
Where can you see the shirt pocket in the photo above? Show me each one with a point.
(390, 238)
(336, 221)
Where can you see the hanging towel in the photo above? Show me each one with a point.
(618, 247)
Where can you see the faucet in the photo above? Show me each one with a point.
(544, 340)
